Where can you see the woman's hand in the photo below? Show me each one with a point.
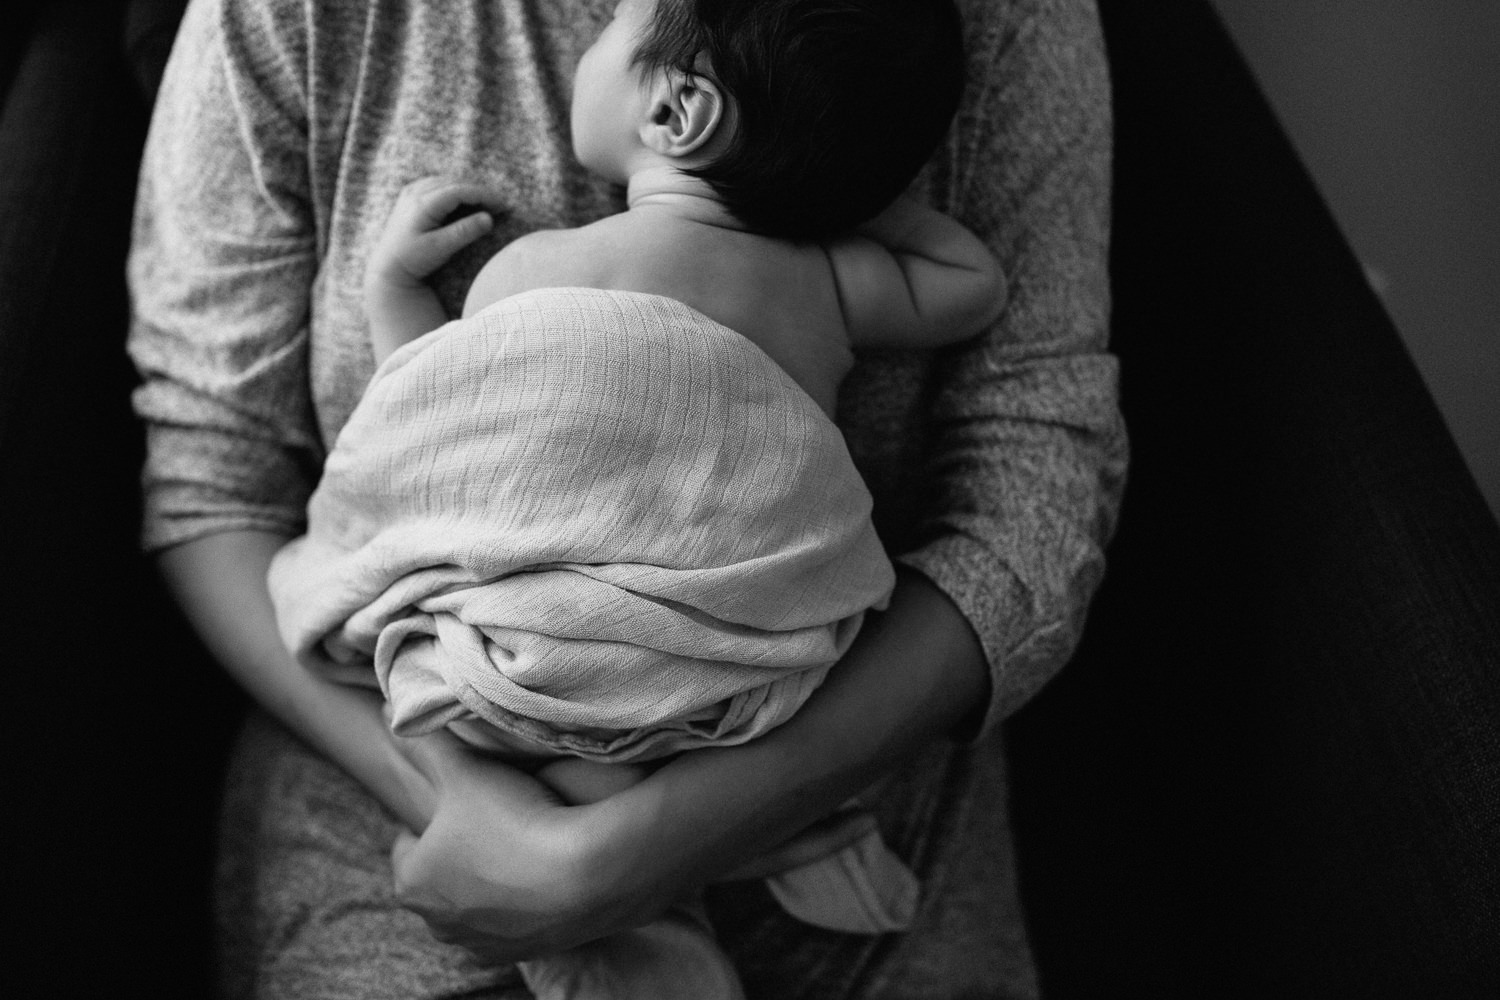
(506, 870)
(503, 867)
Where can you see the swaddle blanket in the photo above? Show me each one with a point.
(592, 522)
(595, 523)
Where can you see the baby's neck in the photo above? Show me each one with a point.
(663, 189)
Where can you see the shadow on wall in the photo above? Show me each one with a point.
(1395, 109)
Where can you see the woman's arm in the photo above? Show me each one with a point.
(502, 865)
(1026, 464)
(916, 674)
(222, 263)
(559, 876)
(220, 583)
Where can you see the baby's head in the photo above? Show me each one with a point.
(806, 117)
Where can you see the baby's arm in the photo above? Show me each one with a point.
(913, 277)
(415, 242)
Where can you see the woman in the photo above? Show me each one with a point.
(283, 131)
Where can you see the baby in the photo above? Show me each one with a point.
(621, 522)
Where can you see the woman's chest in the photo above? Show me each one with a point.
(473, 90)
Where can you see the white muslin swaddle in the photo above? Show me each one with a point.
(584, 522)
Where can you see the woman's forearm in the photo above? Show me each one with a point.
(510, 872)
(220, 583)
(914, 676)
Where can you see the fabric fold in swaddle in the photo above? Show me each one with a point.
(595, 523)
(590, 522)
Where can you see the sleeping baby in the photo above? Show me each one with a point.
(606, 516)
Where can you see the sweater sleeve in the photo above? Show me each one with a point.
(1031, 452)
(222, 260)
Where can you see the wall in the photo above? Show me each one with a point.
(1395, 109)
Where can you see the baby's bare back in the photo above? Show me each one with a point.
(780, 296)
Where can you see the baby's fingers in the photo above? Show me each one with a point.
(426, 228)
(428, 203)
(436, 246)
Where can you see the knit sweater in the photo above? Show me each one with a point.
(283, 132)
(996, 466)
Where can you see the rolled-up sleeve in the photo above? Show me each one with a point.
(223, 257)
(1031, 454)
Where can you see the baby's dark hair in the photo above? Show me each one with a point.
(837, 103)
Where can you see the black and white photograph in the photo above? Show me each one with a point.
(750, 499)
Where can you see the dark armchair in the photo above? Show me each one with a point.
(1272, 770)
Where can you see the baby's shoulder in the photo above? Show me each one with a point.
(546, 258)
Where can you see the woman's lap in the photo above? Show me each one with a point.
(305, 909)
(303, 898)
(945, 814)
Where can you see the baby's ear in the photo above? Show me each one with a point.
(687, 111)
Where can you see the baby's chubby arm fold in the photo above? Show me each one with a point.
(914, 277)
(417, 240)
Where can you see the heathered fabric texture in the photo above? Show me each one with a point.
(585, 522)
(285, 129)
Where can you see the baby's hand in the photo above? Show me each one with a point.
(416, 241)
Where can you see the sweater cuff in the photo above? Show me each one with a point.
(1022, 649)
